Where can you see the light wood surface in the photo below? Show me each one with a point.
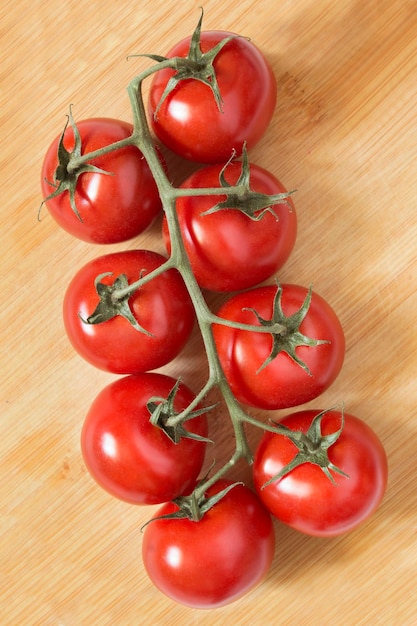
(345, 135)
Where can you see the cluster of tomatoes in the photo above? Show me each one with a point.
(275, 346)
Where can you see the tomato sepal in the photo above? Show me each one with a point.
(65, 176)
(197, 65)
(163, 414)
(312, 448)
(288, 338)
(194, 506)
(251, 203)
(111, 304)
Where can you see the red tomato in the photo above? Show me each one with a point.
(282, 382)
(114, 207)
(162, 307)
(214, 561)
(130, 457)
(227, 249)
(305, 498)
(189, 121)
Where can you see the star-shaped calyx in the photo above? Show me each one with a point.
(113, 301)
(288, 336)
(252, 203)
(162, 412)
(197, 65)
(312, 447)
(66, 177)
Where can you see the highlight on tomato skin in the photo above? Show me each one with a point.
(306, 499)
(215, 561)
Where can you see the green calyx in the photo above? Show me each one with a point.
(253, 204)
(196, 65)
(312, 448)
(288, 338)
(65, 176)
(194, 506)
(164, 416)
(112, 303)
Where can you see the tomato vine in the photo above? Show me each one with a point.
(277, 328)
(178, 259)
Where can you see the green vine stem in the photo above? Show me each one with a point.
(178, 259)
(205, 317)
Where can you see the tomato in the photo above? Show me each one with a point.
(161, 307)
(264, 382)
(214, 561)
(227, 249)
(305, 498)
(130, 457)
(112, 207)
(189, 121)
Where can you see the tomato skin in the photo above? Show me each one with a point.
(228, 250)
(128, 456)
(306, 499)
(162, 307)
(282, 383)
(113, 208)
(189, 121)
(213, 562)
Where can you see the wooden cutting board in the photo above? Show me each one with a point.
(344, 134)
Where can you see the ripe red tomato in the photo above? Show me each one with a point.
(282, 382)
(214, 561)
(227, 249)
(162, 307)
(305, 498)
(189, 121)
(114, 207)
(130, 457)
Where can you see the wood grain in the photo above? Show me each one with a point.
(344, 134)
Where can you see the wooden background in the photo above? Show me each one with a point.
(344, 134)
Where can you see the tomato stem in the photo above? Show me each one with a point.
(76, 161)
(119, 294)
(141, 137)
(240, 193)
(181, 261)
(275, 328)
(183, 416)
